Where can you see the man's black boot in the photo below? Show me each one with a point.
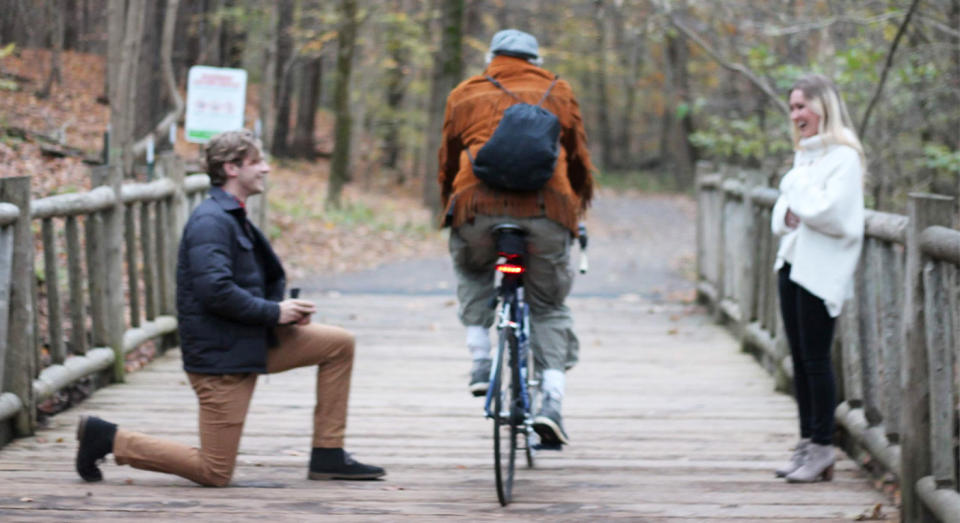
(336, 464)
(96, 441)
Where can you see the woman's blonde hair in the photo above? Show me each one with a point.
(825, 100)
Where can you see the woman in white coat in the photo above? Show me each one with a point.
(819, 218)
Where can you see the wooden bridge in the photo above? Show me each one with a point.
(670, 420)
(671, 416)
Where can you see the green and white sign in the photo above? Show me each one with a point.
(216, 97)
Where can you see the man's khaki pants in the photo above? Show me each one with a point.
(546, 283)
(225, 398)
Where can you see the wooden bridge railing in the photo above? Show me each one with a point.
(75, 342)
(897, 348)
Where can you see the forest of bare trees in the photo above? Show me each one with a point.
(662, 83)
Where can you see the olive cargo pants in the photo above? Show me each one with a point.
(546, 282)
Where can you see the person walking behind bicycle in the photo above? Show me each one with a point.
(235, 324)
(514, 151)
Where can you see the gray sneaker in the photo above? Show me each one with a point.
(548, 423)
(480, 377)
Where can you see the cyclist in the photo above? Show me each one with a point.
(549, 214)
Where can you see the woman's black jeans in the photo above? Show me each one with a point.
(810, 333)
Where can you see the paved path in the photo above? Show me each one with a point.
(669, 420)
(640, 246)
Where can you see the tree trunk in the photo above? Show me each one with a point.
(232, 39)
(281, 125)
(212, 53)
(56, 44)
(447, 72)
(675, 146)
(603, 116)
(340, 163)
(116, 20)
(72, 27)
(683, 151)
(150, 106)
(396, 87)
(268, 73)
(123, 90)
(303, 140)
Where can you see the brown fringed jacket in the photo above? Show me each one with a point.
(473, 111)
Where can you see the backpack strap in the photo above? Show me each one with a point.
(504, 89)
(547, 93)
(511, 93)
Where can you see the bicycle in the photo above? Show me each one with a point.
(513, 392)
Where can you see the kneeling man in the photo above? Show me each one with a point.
(234, 325)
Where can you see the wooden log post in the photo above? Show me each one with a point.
(96, 264)
(113, 247)
(9, 214)
(78, 325)
(750, 264)
(96, 277)
(19, 365)
(720, 283)
(163, 260)
(177, 211)
(888, 275)
(149, 262)
(866, 294)
(172, 167)
(133, 275)
(52, 282)
(939, 279)
(924, 210)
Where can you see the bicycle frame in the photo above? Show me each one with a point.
(514, 314)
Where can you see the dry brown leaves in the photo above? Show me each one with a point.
(369, 229)
(70, 114)
(376, 223)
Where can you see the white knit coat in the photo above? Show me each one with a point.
(825, 190)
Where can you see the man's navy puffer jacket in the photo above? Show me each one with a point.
(229, 283)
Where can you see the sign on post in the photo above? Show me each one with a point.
(216, 97)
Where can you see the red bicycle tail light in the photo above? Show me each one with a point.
(509, 268)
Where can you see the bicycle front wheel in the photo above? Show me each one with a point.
(504, 428)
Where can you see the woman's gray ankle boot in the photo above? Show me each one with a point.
(796, 460)
(817, 465)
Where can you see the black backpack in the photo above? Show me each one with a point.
(522, 153)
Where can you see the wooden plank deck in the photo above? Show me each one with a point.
(669, 422)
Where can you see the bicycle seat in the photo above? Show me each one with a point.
(510, 241)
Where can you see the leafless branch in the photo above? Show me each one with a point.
(824, 23)
(736, 67)
(886, 67)
(938, 25)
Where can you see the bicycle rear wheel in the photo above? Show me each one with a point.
(504, 426)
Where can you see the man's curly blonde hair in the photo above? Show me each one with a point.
(229, 147)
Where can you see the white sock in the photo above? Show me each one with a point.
(554, 381)
(478, 342)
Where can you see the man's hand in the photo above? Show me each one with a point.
(791, 220)
(296, 312)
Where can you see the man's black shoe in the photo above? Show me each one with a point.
(96, 441)
(548, 424)
(337, 464)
